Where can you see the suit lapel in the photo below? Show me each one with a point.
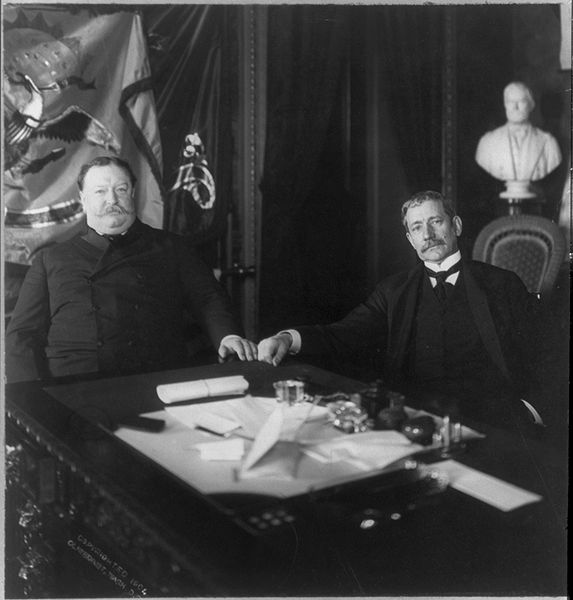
(402, 319)
(404, 313)
(483, 320)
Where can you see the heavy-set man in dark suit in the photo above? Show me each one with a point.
(114, 299)
(450, 331)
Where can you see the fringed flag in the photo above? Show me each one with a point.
(76, 85)
(194, 188)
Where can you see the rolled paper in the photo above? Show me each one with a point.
(202, 388)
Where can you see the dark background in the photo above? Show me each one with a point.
(354, 123)
(323, 61)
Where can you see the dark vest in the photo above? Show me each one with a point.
(447, 350)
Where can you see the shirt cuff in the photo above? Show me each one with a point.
(537, 420)
(296, 340)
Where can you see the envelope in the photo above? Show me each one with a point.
(197, 416)
(491, 490)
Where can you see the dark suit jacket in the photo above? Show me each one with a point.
(502, 309)
(90, 305)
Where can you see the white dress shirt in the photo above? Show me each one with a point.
(444, 266)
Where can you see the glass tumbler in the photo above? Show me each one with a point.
(290, 391)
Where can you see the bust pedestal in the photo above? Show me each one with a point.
(518, 189)
(519, 206)
(519, 198)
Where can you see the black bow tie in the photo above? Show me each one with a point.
(441, 289)
(443, 275)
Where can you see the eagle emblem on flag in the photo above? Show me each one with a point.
(38, 65)
(76, 84)
(194, 175)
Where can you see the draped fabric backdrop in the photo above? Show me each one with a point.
(191, 69)
(311, 212)
(405, 43)
(411, 39)
(305, 55)
(85, 80)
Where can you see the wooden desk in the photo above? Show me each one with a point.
(89, 516)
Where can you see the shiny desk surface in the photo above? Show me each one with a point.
(453, 545)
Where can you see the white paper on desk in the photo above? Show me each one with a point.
(491, 490)
(280, 462)
(224, 416)
(299, 415)
(279, 433)
(202, 388)
(367, 451)
(200, 415)
(222, 450)
(252, 412)
(266, 438)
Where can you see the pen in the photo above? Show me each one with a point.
(207, 430)
(223, 435)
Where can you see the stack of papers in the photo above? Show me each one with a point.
(273, 449)
(367, 451)
(272, 426)
(224, 450)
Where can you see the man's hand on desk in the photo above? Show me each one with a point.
(273, 349)
(234, 344)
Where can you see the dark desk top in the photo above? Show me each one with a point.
(452, 545)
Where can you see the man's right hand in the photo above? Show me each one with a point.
(273, 349)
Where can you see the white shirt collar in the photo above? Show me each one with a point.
(446, 263)
(110, 234)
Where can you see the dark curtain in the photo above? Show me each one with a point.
(306, 46)
(189, 49)
(411, 43)
(405, 43)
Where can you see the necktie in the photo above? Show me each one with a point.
(440, 277)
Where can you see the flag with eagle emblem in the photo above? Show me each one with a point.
(76, 85)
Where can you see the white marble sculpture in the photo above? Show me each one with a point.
(518, 153)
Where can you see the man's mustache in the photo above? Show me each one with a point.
(433, 244)
(111, 210)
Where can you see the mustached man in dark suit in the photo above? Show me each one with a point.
(450, 331)
(114, 299)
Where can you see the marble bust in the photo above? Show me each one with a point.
(517, 152)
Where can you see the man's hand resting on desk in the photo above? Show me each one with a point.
(273, 349)
(234, 344)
